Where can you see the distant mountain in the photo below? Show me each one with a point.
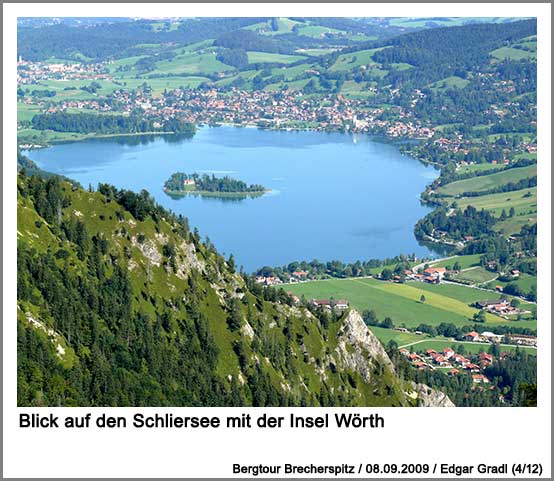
(119, 304)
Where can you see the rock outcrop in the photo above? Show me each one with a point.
(429, 397)
(358, 348)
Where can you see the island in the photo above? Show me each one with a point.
(180, 184)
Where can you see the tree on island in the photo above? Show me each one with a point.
(181, 182)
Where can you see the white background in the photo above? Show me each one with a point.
(457, 435)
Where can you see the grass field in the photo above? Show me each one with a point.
(485, 182)
(513, 225)
(349, 61)
(476, 275)
(525, 281)
(401, 302)
(450, 82)
(513, 54)
(264, 57)
(192, 63)
(386, 335)
(465, 294)
(495, 203)
(464, 261)
(26, 112)
(318, 31)
(464, 169)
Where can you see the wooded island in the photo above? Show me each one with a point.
(183, 184)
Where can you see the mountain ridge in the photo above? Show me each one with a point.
(119, 303)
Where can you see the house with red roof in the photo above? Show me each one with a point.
(480, 378)
(448, 352)
(471, 336)
(472, 367)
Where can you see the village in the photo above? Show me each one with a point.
(450, 361)
(286, 109)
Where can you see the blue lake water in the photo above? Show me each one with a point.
(334, 196)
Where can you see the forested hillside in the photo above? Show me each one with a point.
(120, 304)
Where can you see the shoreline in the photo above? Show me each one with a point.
(208, 193)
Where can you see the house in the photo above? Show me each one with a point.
(461, 360)
(440, 360)
(435, 273)
(515, 273)
(400, 329)
(453, 372)
(420, 365)
(323, 303)
(472, 367)
(189, 182)
(300, 274)
(486, 359)
(492, 337)
(448, 352)
(480, 378)
(471, 336)
(499, 288)
(492, 304)
(340, 304)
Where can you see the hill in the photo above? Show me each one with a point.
(119, 304)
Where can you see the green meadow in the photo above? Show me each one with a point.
(485, 182)
(402, 302)
(265, 57)
(523, 201)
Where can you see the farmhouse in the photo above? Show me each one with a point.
(340, 304)
(323, 303)
(492, 304)
(471, 336)
(434, 274)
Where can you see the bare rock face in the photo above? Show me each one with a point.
(429, 397)
(358, 348)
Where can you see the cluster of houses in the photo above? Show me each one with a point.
(268, 280)
(33, 72)
(283, 109)
(492, 338)
(449, 359)
(498, 306)
(432, 275)
(330, 304)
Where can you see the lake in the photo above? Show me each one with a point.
(334, 196)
